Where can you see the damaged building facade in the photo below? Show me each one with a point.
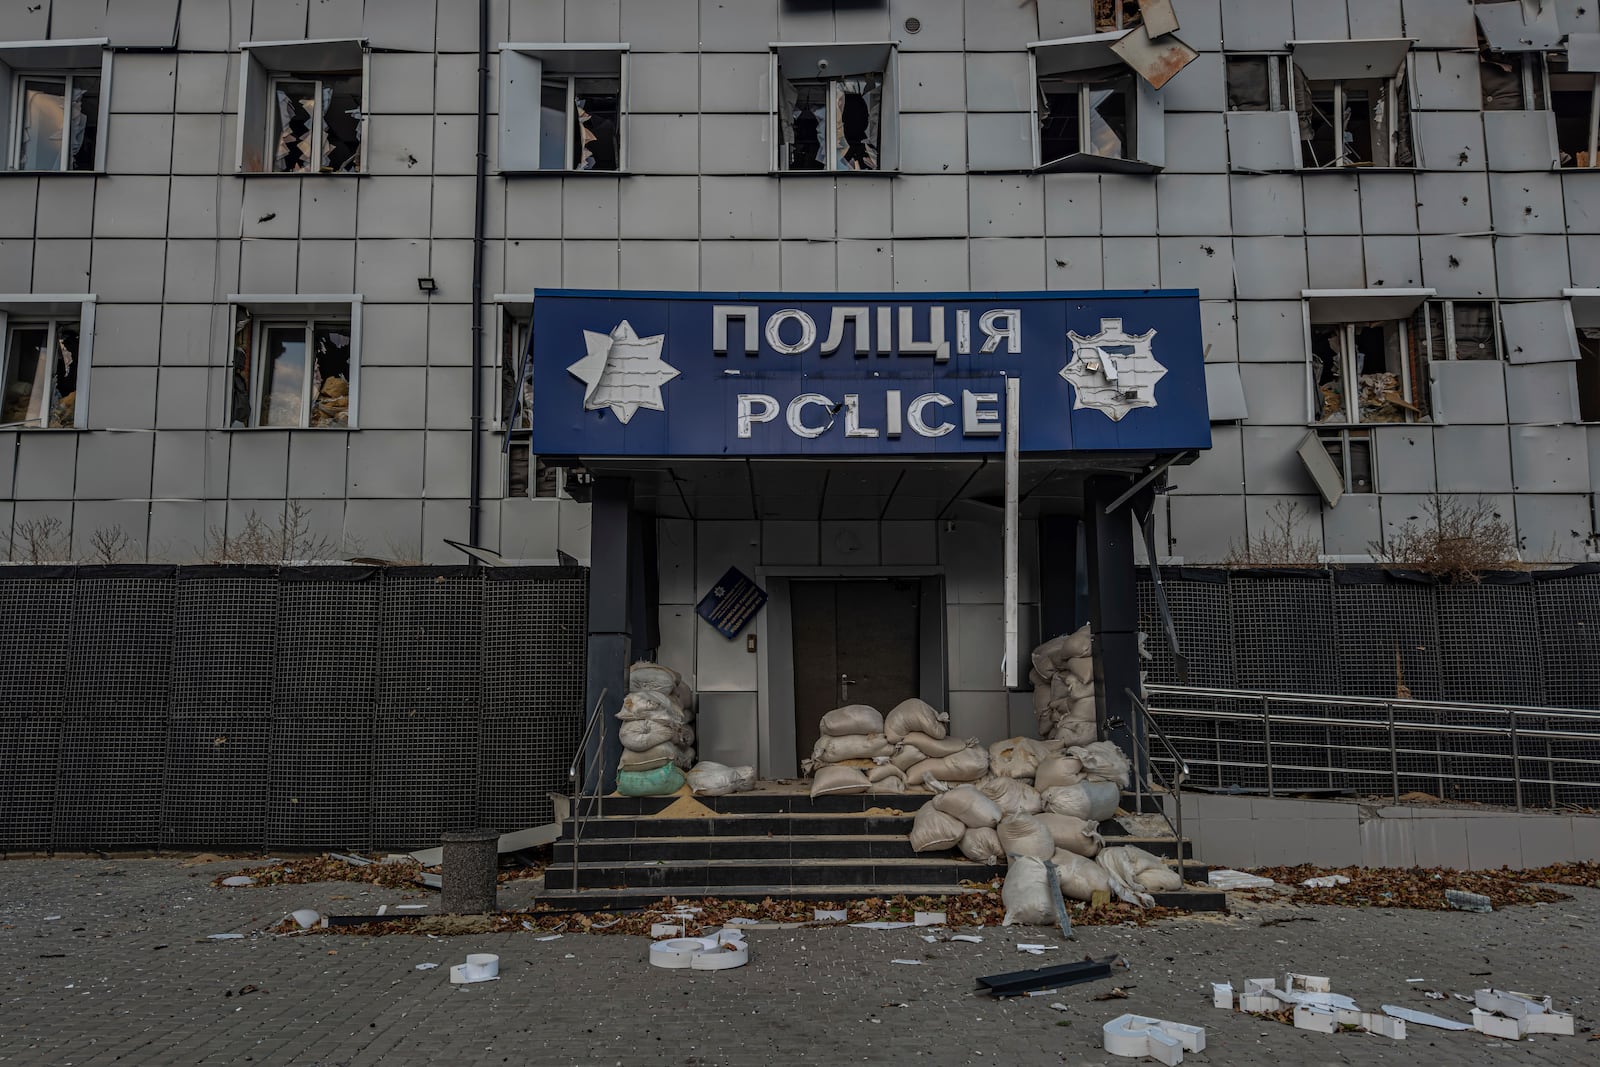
(237, 251)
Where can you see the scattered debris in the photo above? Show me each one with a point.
(1037, 950)
(1421, 888)
(331, 868)
(829, 915)
(1230, 880)
(306, 918)
(1137, 1036)
(1531, 1015)
(1462, 901)
(908, 963)
(426, 966)
(1015, 983)
(238, 880)
(480, 967)
(224, 937)
(549, 937)
(51, 918)
(929, 918)
(1327, 881)
(1422, 1018)
(971, 939)
(881, 926)
(722, 951)
(1116, 993)
(1328, 1020)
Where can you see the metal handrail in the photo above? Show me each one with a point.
(1174, 785)
(1514, 725)
(578, 816)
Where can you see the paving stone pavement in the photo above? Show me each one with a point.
(126, 975)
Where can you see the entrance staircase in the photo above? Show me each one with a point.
(788, 846)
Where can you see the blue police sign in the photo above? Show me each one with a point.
(765, 374)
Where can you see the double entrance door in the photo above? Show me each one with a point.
(856, 641)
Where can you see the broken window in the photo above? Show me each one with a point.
(580, 124)
(57, 122)
(1572, 98)
(1258, 83)
(1458, 329)
(290, 372)
(40, 374)
(316, 124)
(516, 367)
(1354, 122)
(1366, 372)
(1588, 374)
(1351, 453)
(1512, 81)
(1111, 15)
(831, 123)
(1089, 112)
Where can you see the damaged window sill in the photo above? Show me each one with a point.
(303, 173)
(52, 174)
(833, 174)
(1352, 170)
(565, 173)
(289, 429)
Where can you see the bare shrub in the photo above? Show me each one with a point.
(1454, 539)
(42, 540)
(111, 545)
(1281, 545)
(290, 540)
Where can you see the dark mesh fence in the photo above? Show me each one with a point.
(320, 707)
(35, 634)
(114, 730)
(1569, 625)
(1283, 639)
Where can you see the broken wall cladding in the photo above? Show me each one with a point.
(283, 707)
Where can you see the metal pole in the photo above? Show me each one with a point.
(1394, 760)
(1266, 726)
(1516, 758)
(1013, 668)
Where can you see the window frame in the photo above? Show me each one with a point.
(1534, 79)
(1350, 373)
(262, 65)
(1146, 108)
(53, 59)
(1446, 307)
(53, 325)
(318, 80)
(1084, 89)
(1593, 148)
(24, 309)
(805, 65)
(1280, 79)
(524, 64)
(1331, 56)
(267, 311)
(1343, 435)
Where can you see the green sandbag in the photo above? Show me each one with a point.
(660, 782)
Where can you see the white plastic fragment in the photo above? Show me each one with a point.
(1257, 1003)
(1422, 1018)
(1464, 901)
(1136, 1036)
(225, 937)
(1487, 1022)
(1226, 879)
(1511, 1004)
(666, 930)
(426, 966)
(1056, 1005)
(1547, 1022)
(1306, 983)
(908, 963)
(1036, 950)
(51, 918)
(238, 880)
(1258, 985)
(971, 939)
(930, 918)
(1327, 881)
(480, 967)
(827, 915)
(881, 926)
(551, 937)
(741, 921)
(1315, 1018)
(306, 918)
(411, 907)
(719, 952)
(1222, 995)
(1319, 1000)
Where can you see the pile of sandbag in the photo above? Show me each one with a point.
(852, 755)
(923, 749)
(657, 731)
(1063, 688)
(711, 779)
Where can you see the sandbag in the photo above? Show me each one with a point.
(970, 806)
(890, 785)
(879, 771)
(1026, 893)
(1068, 686)
(1015, 757)
(648, 733)
(937, 747)
(1082, 667)
(834, 749)
(981, 844)
(1012, 796)
(655, 705)
(647, 675)
(1079, 710)
(1054, 654)
(1103, 761)
(1122, 866)
(660, 782)
(907, 756)
(1037, 679)
(915, 716)
(967, 765)
(1092, 801)
(838, 780)
(685, 759)
(650, 758)
(716, 779)
(1139, 868)
(1074, 733)
(1075, 835)
(684, 696)
(1080, 877)
(934, 831)
(1042, 696)
(1057, 771)
(852, 719)
(1023, 835)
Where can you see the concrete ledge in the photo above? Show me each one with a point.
(1246, 831)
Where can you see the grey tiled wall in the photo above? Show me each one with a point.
(169, 231)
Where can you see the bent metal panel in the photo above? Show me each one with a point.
(764, 374)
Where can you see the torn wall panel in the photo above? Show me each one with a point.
(143, 24)
(1515, 27)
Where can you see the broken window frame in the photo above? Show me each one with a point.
(322, 93)
(57, 61)
(1396, 88)
(834, 64)
(834, 149)
(263, 65)
(1414, 406)
(1279, 75)
(1556, 77)
(1124, 15)
(1342, 448)
(511, 358)
(48, 416)
(525, 71)
(1447, 346)
(252, 316)
(1084, 85)
(1144, 148)
(1532, 74)
(1588, 374)
(68, 82)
